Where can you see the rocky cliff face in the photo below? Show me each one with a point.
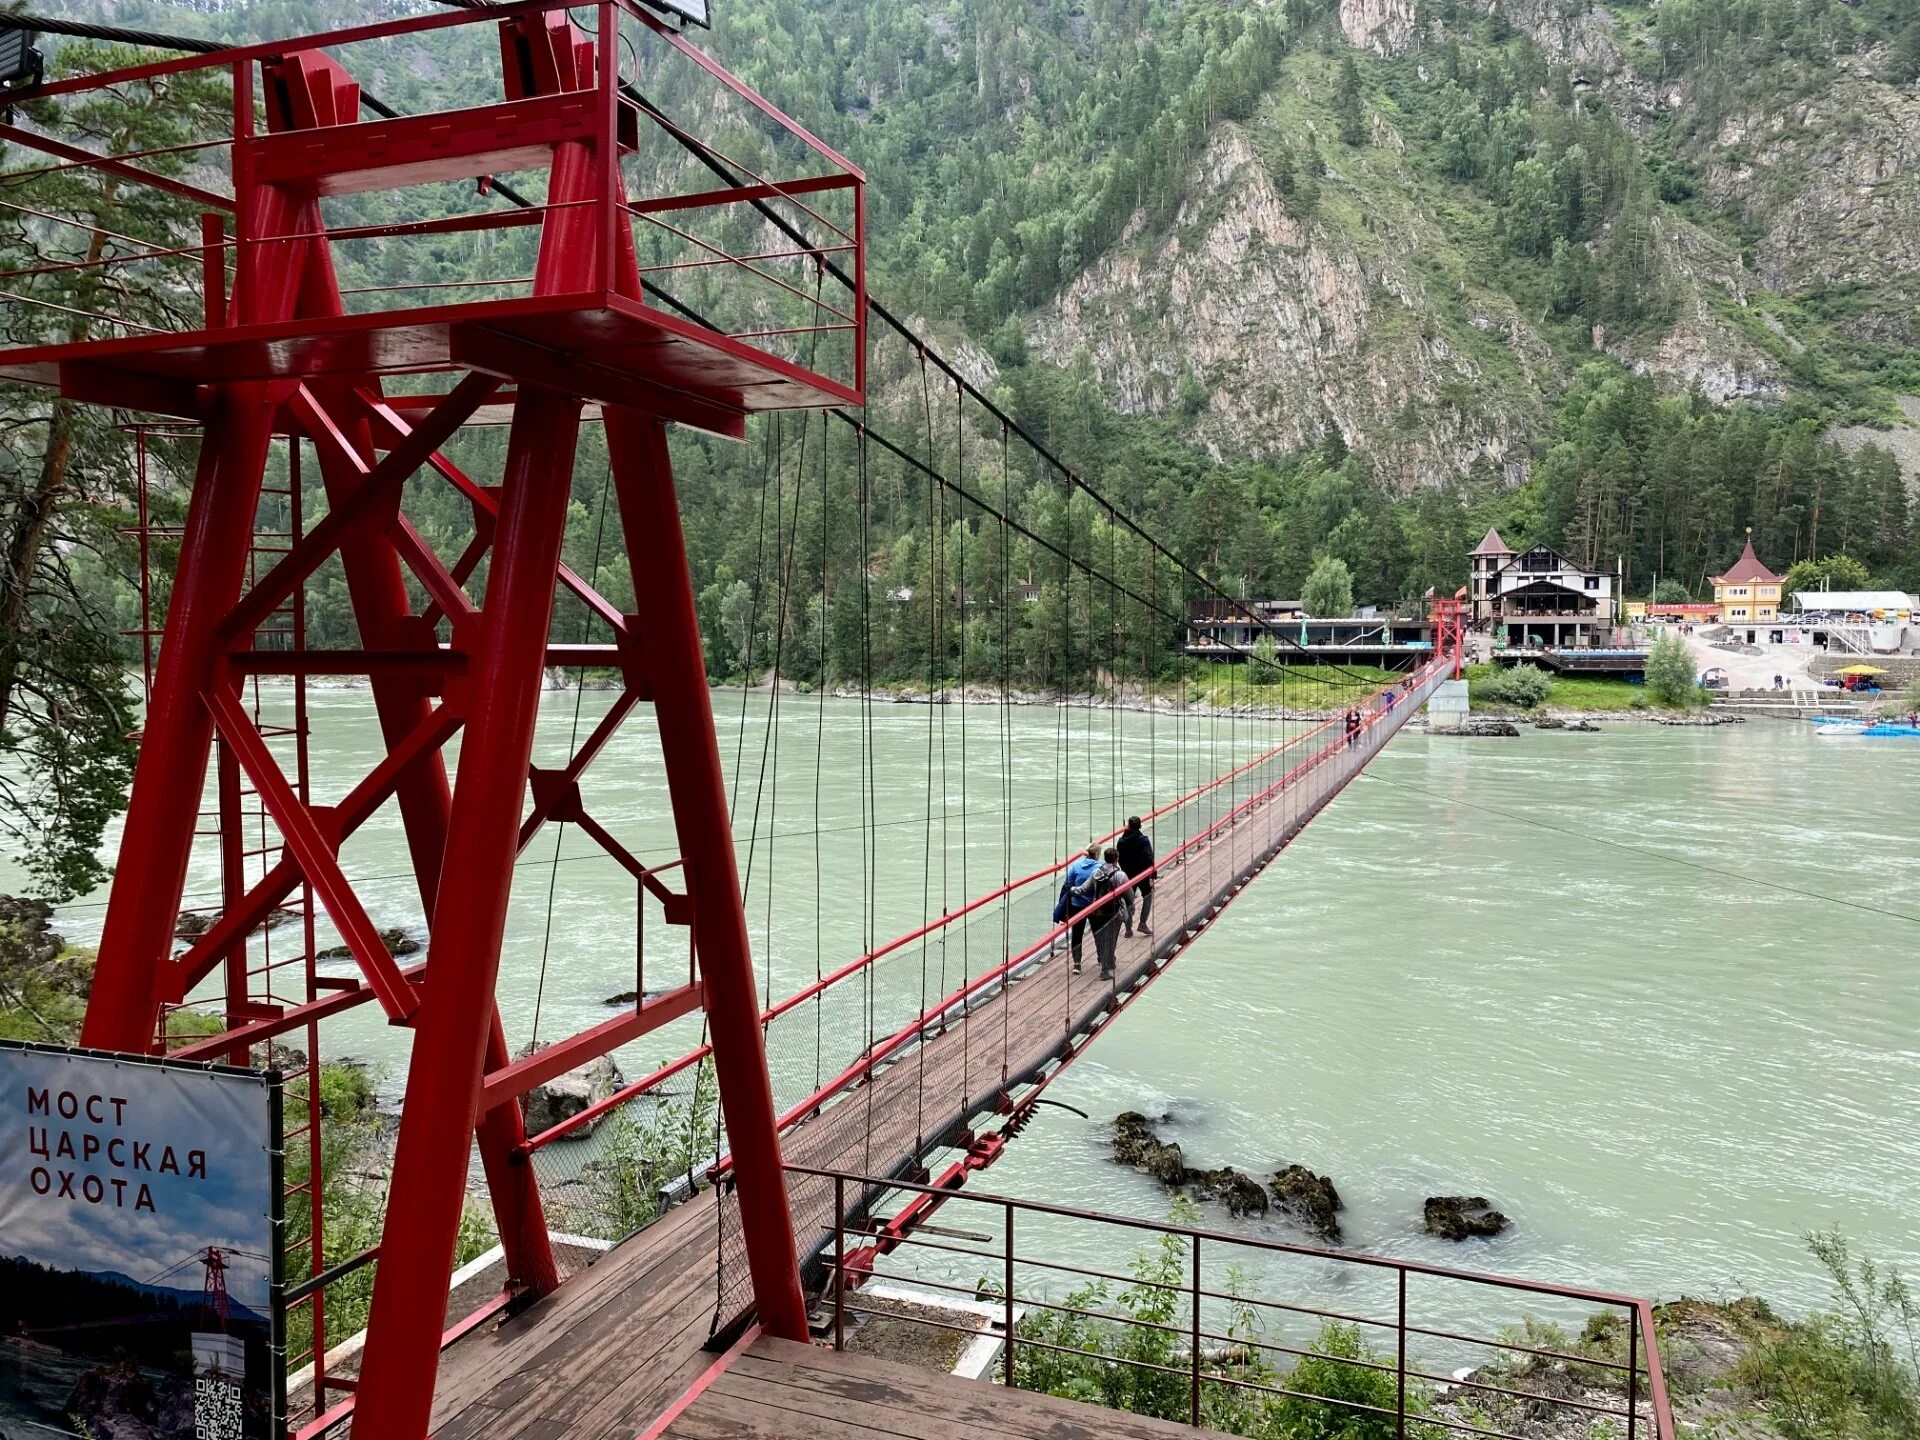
(1834, 181)
(1386, 27)
(1293, 330)
(1264, 325)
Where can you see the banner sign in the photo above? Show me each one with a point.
(140, 1260)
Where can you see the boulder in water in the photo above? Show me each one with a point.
(397, 941)
(1309, 1200)
(1463, 1217)
(568, 1093)
(1241, 1194)
(1136, 1143)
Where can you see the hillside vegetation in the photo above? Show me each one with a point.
(1349, 278)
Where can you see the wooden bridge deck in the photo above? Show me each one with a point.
(609, 1351)
(776, 1390)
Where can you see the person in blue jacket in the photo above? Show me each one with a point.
(1073, 906)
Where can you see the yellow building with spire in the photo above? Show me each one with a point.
(1748, 592)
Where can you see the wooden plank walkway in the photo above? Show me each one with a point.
(777, 1390)
(614, 1346)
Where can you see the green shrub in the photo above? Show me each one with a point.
(1524, 686)
(1124, 1351)
(1853, 1374)
(346, 1091)
(1671, 675)
(647, 1150)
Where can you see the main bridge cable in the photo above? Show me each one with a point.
(719, 167)
(1010, 426)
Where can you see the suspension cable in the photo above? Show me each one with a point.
(720, 167)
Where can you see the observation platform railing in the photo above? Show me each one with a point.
(1209, 1333)
(155, 267)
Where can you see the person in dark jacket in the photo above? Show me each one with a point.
(1136, 858)
(1104, 909)
(1072, 904)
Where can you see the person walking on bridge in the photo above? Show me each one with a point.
(1073, 903)
(1135, 849)
(1104, 909)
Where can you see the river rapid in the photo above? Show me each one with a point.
(1544, 969)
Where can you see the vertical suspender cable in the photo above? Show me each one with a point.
(961, 602)
(753, 620)
(1007, 755)
(819, 752)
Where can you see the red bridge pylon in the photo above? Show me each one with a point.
(285, 356)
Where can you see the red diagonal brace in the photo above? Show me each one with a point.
(486, 500)
(563, 1055)
(678, 908)
(448, 597)
(383, 482)
(349, 815)
(575, 767)
(314, 854)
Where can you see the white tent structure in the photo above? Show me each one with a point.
(1854, 602)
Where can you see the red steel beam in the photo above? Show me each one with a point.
(561, 1056)
(663, 592)
(424, 149)
(314, 854)
(445, 1074)
(162, 809)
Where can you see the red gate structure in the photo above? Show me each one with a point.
(280, 352)
(1449, 615)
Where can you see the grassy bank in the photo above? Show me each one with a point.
(1314, 687)
(1571, 694)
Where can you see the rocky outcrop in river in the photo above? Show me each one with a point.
(1462, 1217)
(567, 1094)
(1307, 1199)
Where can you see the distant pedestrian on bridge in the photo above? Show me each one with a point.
(1073, 902)
(1353, 728)
(1135, 849)
(1104, 908)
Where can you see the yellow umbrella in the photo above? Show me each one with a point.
(1862, 670)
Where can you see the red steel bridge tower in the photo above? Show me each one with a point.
(276, 352)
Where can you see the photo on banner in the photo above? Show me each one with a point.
(141, 1273)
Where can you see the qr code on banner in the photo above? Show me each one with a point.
(217, 1409)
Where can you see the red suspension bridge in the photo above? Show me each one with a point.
(655, 280)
